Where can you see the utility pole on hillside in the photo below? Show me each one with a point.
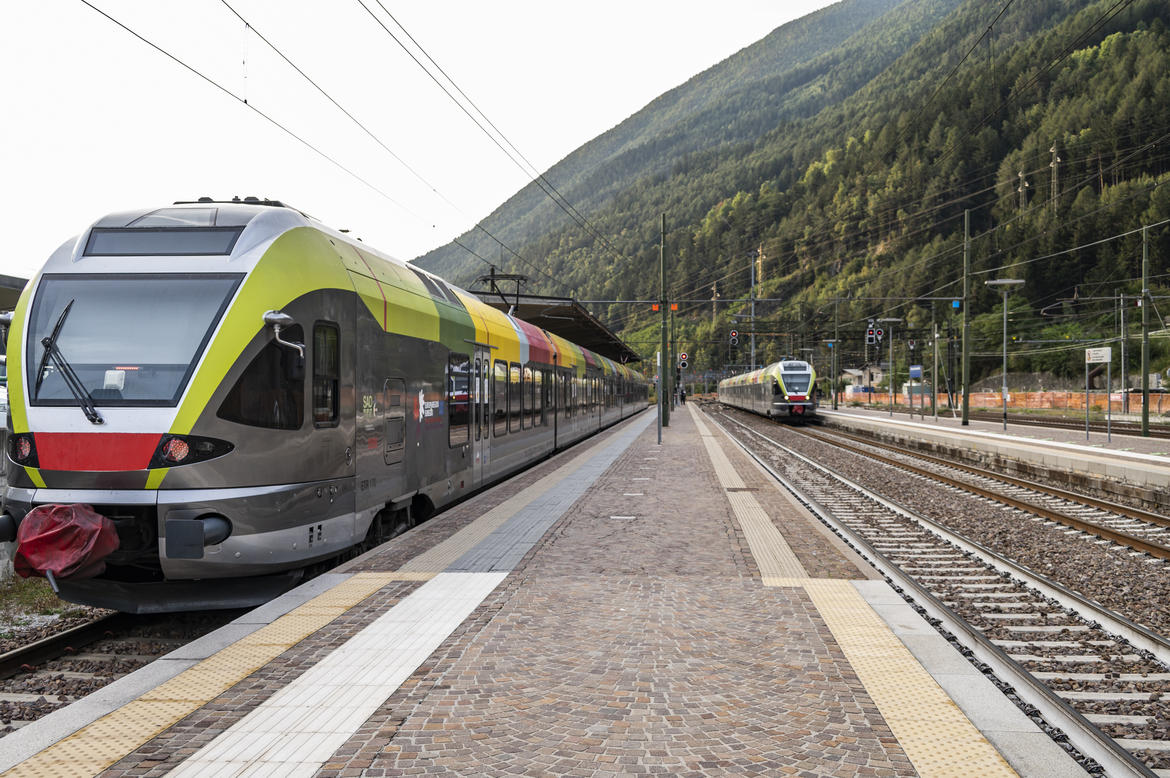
(1054, 164)
(1023, 191)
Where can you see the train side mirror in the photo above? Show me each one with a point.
(278, 320)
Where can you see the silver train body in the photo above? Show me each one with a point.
(261, 393)
(783, 390)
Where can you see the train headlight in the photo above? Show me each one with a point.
(22, 449)
(174, 450)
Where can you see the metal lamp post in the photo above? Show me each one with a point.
(1005, 285)
(891, 381)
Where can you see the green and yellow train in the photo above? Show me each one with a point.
(243, 392)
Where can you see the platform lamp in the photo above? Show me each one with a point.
(891, 381)
(1004, 285)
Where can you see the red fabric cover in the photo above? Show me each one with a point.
(71, 540)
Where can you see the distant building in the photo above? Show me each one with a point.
(10, 289)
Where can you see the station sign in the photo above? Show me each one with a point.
(916, 371)
(1096, 355)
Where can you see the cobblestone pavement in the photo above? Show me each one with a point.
(637, 638)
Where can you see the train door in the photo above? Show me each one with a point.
(394, 420)
(481, 416)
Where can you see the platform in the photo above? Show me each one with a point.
(624, 608)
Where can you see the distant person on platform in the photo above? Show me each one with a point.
(682, 395)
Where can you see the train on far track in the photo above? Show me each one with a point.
(230, 394)
(783, 390)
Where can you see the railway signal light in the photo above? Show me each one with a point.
(870, 336)
(735, 337)
(879, 333)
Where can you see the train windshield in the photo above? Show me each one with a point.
(796, 383)
(130, 339)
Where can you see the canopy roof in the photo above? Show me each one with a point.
(565, 317)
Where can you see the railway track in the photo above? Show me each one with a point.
(1135, 528)
(1090, 674)
(46, 675)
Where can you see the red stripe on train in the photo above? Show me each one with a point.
(95, 451)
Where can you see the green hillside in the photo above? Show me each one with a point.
(851, 164)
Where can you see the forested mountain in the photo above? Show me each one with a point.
(847, 146)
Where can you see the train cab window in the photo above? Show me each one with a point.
(270, 393)
(326, 374)
(514, 398)
(458, 399)
(500, 398)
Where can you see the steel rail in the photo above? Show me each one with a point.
(1085, 736)
(1064, 494)
(12, 662)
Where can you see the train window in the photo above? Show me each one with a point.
(458, 399)
(269, 393)
(326, 374)
(514, 398)
(537, 387)
(500, 397)
(161, 242)
(529, 397)
(437, 288)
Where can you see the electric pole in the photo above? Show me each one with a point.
(1145, 333)
(1124, 362)
(664, 370)
(966, 305)
(752, 295)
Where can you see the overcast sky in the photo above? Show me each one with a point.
(95, 121)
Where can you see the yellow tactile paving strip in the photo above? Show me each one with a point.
(936, 735)
(97, 746)
(769, 548)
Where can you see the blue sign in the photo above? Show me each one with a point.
(916, 371)
(954, 303)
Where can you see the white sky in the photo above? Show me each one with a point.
(95, 121)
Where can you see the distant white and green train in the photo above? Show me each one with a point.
(244, 393)
(785, 390)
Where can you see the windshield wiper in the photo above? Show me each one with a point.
(54, 355)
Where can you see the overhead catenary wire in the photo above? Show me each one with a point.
(494, 134)
(252, 108)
